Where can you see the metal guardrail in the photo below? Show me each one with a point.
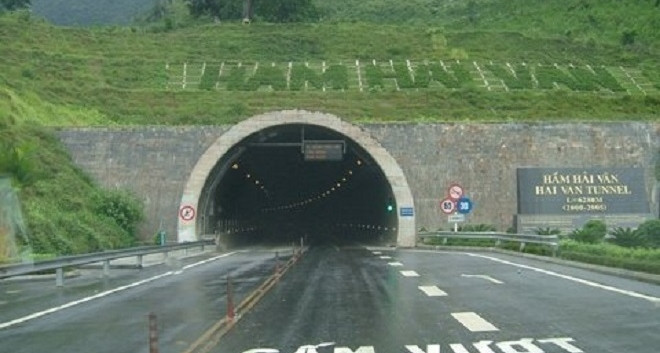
(58, 264)
(523, 239)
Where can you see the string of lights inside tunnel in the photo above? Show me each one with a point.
(305, 200)
(257, 182)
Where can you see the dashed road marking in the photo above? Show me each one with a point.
(486, 277)
(571, 278)
(395, 264)
(410, 273)
(432, 291)
(377, 253)
(474, 322)
(39, 314)
(386, 257)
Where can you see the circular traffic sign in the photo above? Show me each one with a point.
(464, 205)
(448, 206)
(187, 213)
(455, 191)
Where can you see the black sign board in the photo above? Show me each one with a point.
(574, 191)
(323, 150)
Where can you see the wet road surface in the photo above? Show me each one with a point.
(355, 300)
(187, 296)
(347, 300)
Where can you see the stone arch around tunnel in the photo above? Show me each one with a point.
(188, 223)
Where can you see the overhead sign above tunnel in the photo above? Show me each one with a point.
(322, 151)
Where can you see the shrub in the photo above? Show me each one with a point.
(122, 207)
(650, 230)
(628, 238)
(628, 37)
(593, 232)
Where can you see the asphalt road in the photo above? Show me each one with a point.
(187, 296)
(343, 300)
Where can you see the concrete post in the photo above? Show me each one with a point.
(140, 262)
(59, 277)
(106, 268)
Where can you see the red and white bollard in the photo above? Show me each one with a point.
(277, 263)
(230, 301)
(153, 333)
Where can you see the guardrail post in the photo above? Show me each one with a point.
(522, 246)
(59, 277)
(498, 242)
(444, 241)
(106, 268)
(555, 248)
(140, 262)
(153, 333)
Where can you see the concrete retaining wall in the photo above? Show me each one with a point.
(155, 162)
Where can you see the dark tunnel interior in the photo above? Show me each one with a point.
(298, 181)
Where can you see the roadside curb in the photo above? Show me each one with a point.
(619, 272)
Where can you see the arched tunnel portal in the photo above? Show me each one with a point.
(281, 176)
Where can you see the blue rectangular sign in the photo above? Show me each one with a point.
(406, 211)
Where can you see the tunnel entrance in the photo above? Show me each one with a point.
(283, 176)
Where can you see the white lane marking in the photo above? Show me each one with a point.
(432, 291)
(574, 279)
(395, 264)
(377, 253)
(386, 257)
(474, 322)
(486, 277)
(39, 314)
(410, 273)
(563, 343)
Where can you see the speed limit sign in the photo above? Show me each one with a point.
(448, 206)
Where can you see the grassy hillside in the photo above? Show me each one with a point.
(375, 60)
(125, 75)
(65, 212)
(598, 20)
(610, 21)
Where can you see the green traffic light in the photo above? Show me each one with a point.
(390, 208)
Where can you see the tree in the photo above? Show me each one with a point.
(269, 10)
(14, 4)
(286, 10)
(221, 9)
(651, 231)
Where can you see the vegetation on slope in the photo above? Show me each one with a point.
(597, 20)
(65, 211)
(57, 76)
(121, 72)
